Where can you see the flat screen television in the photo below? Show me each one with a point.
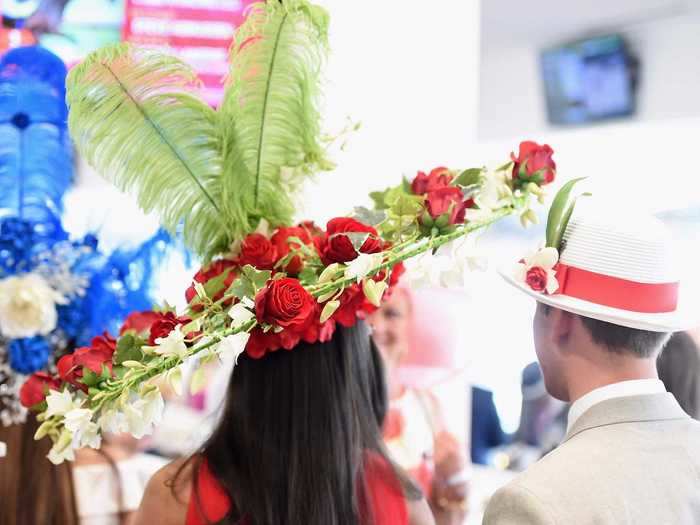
(589, 80)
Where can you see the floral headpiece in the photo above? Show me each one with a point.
(55, 293)
(229, 176)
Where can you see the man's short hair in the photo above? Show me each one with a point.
(621, 339)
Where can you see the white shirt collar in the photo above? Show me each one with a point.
(635, 387)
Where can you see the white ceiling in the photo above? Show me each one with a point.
(543, 22)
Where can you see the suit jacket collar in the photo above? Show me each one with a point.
(651, 407)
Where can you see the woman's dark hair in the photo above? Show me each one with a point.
(295, 432)
(32, 490)
(679, 369)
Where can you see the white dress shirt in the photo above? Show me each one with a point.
(637, 387)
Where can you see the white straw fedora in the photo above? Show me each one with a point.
(612, 265)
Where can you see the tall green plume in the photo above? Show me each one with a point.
(270, 116)
(134, 120)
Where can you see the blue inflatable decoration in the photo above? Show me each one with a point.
(56, 293)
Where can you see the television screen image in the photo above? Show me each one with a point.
(589, 80)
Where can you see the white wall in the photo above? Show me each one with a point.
(407, 71)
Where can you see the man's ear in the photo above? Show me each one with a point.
(562, 326)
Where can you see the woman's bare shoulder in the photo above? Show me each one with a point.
(167, 495)
(419, 513)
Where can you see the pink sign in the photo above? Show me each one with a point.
(197, 31)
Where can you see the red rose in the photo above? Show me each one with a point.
(283, 246)
(258, 251)
(104, 344)
(311, 229)
(319, 333)
(447, 200)
(91, 359)
(262, 342)
(396, 272)
(161, 328)
(139, 322)
(352, 301)
(338, 247)
(207, 273)
(536, 159)
(69, 371)
(285, 303)
(536, 278)
(35, 388)
(438, 178)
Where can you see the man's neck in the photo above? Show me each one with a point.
(588, 375)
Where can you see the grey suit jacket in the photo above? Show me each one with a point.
(626, 461)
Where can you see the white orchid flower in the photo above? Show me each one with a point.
(362, 265)
(233, 345)
(173, 344)
(240, 315)
(60, 403)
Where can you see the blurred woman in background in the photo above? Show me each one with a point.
(415, 428)
(33, 491)
(102, 487)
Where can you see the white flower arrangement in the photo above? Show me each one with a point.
(28, 306)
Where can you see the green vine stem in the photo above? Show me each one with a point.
(430, 243)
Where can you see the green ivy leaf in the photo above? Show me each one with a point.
(129, 349)
(379, 199)
(216, 284)
(469, 177)
(308, 276)
(406, 205)
(258, 277)
(250, 282)
(90, 378)
(370, 217)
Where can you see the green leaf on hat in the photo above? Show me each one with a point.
(560, 213)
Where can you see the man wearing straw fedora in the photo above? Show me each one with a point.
(608, 299)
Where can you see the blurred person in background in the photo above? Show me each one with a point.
(486, 431)
(102, 487)
(415, 429)
(679, 369)
(542, 423)
(33, 491)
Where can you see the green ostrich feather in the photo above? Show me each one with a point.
(134, 120)
(270, 117)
